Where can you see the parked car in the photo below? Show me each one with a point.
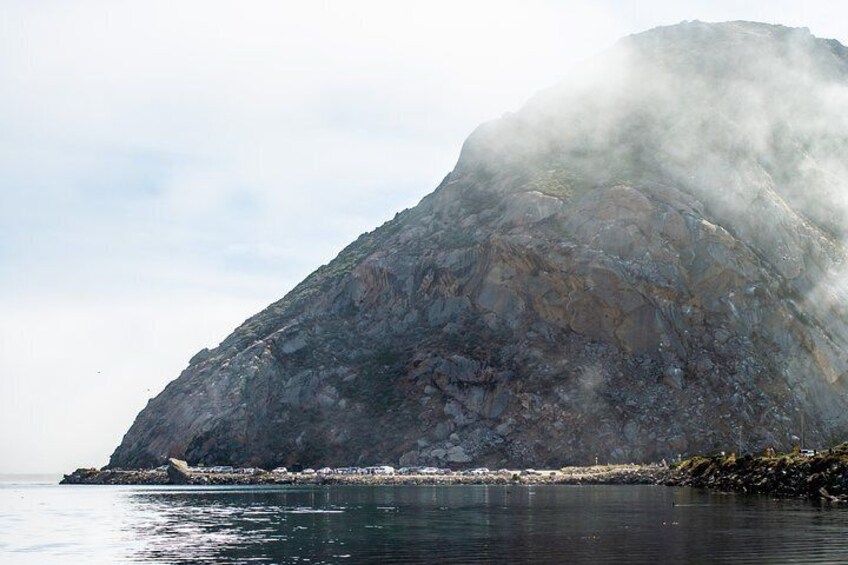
(280, 471)
(381, 470)
(409, 470)
(347, 470)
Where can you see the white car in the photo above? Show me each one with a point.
(280, 471)
(382, 470)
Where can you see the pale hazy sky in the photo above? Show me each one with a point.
(169, 168)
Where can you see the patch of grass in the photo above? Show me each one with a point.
(558, 182)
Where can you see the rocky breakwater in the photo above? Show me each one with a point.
(176, 472)
(821, 476)
(92, 476)
(594, 475)
(179, 474)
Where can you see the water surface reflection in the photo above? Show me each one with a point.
(479, 524)
(47, 524)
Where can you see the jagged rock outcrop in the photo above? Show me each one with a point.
(643, 261)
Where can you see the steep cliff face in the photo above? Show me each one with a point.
(643, 261)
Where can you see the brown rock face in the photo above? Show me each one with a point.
(643, 261)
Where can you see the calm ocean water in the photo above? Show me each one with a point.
(47, 523)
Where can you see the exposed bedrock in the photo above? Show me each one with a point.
(645, 260)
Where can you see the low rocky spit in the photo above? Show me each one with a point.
(178, 473)
(822, 476)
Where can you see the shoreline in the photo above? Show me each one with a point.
(599, 474)
(822, 476)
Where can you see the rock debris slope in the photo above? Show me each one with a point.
(645, 260)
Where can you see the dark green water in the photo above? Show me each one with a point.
(455, 524)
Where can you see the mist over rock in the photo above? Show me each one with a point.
(645, 260)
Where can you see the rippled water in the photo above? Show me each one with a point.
(43, 523)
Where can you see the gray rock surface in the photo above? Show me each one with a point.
(645, 260)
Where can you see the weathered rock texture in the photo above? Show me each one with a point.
(824, 476)
(643, 261)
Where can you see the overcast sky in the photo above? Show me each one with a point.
(169, 168)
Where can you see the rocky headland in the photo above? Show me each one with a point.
(644, 261)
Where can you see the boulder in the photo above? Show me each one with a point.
(457, 454)
(178, 472)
